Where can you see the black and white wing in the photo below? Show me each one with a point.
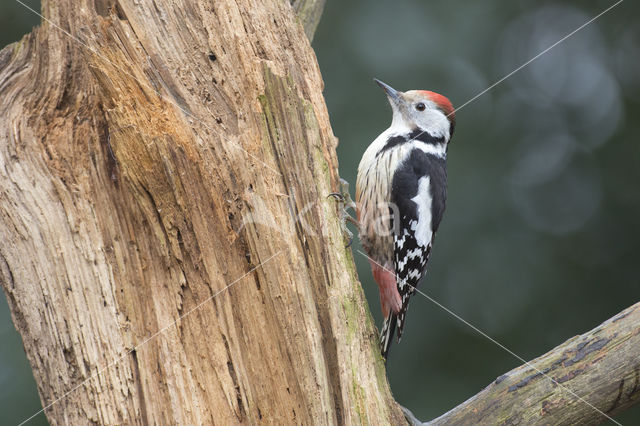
(418, 194)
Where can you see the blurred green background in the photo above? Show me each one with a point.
(541, 238)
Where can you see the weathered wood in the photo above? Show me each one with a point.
(602, 367)
(165, 151)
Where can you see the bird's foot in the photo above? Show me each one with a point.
(345, 203)
(344, 197)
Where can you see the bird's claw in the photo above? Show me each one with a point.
(350, 236)
(345, 202)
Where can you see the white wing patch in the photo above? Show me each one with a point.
(422, 228)
(411, 253)
(439, 150)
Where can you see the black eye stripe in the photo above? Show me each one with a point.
(420, 106)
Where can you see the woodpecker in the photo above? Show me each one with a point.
(401, 192)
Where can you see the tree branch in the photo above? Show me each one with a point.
(597, 372)
(309, 13)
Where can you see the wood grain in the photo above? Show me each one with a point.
(153, 155)
(582, 381)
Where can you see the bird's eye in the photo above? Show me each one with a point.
(420, 106)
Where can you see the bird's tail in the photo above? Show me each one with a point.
(386, 334)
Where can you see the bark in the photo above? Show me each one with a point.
(597, 370)
(152, 154)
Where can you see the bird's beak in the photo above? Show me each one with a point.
(393, 94)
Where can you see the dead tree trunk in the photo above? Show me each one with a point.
(152, 154)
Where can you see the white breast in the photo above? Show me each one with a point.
(373, 192)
